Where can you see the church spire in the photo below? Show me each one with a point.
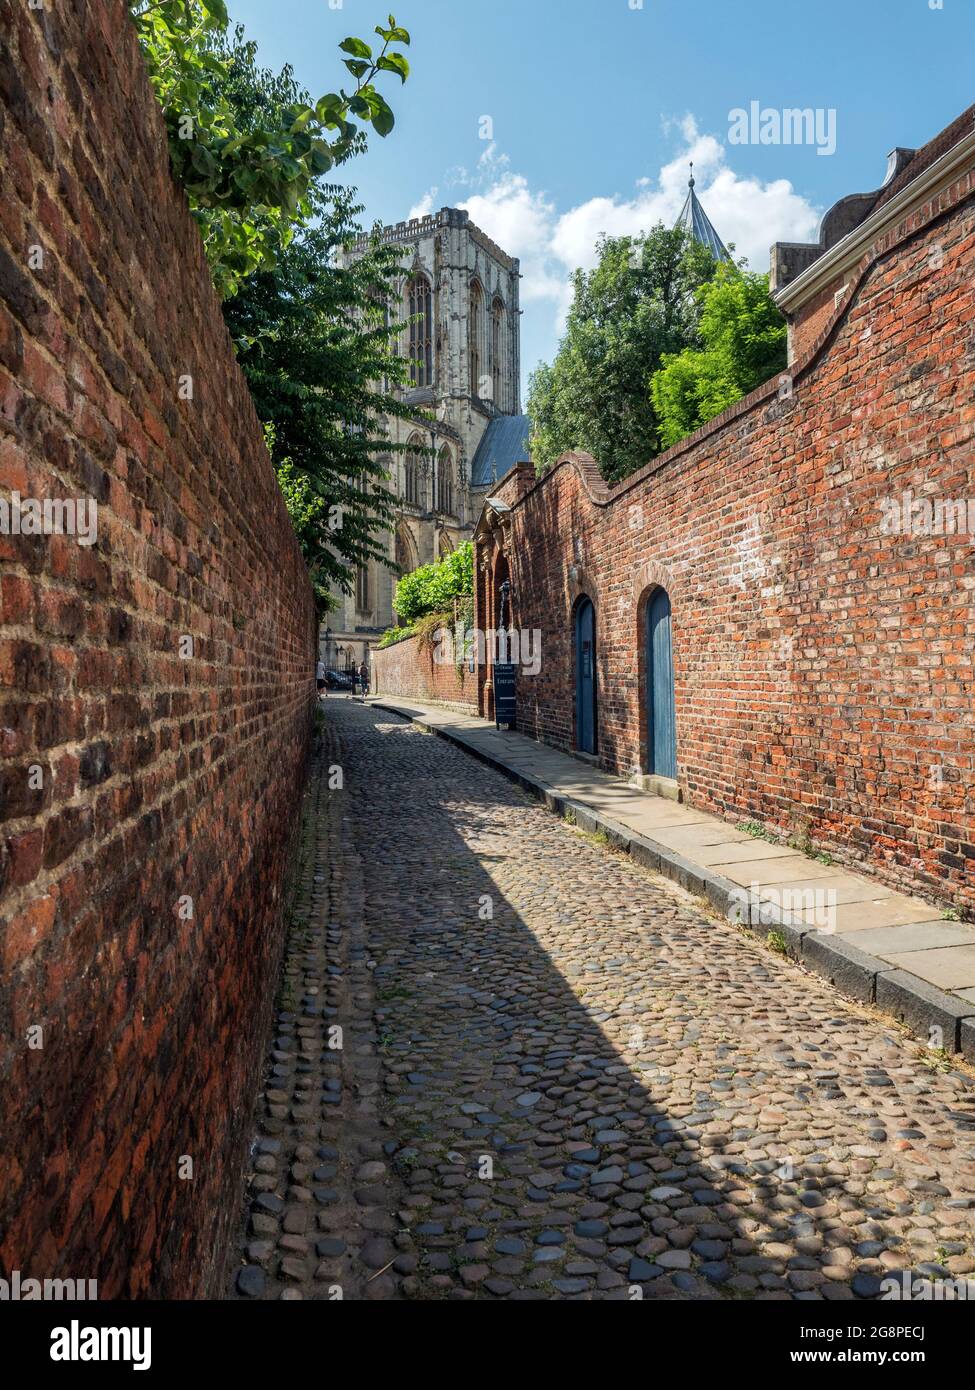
(695, 221)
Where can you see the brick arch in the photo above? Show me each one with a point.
(646, 581)
(653, 575)
(500, 571)
(582, 586)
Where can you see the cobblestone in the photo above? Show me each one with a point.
(557, 1078)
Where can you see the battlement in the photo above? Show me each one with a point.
(415, 228)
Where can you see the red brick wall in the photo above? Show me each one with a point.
(812, 319)
(163, 778)
(822, 668)
(409, 673)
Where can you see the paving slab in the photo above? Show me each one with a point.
(741, 852)
(896, 911)
(843, 888)
(706, 833)
(915, 936)
(951, 968)
(917, 976)
(791, 869)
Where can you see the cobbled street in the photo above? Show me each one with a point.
(559, 1078)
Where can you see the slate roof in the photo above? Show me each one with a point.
(503, 444)
(696, 222)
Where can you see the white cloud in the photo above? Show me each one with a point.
(551, 244)
(425, 206)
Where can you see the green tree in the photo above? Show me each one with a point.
(313, 337)
(309, 513)
(317, 346)
(433, 588)
(638, 304)
(744, 343)
(249, 177)
(317, 343)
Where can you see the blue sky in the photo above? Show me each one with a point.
(597, 105)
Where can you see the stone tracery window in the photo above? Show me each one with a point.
(420, 307)
(445, 481)
(497, 352)
(413, 472)
(475, 330)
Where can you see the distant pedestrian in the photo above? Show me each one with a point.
(320, 676)
(364, 679)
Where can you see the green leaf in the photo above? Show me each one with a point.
(331, 109)
(302, 120)
(217, 10)
(383, 119)
(395, 62)
(356, 67)
(356, 47)
(320, 159)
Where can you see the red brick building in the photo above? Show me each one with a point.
(775, 616)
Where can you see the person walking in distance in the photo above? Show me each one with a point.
(320, 676)
(364, 679)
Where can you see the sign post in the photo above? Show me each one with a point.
(505, 697)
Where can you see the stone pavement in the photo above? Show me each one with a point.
(876, 944)
(560, 1078)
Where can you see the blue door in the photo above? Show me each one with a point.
(661, 716)
(586, 677)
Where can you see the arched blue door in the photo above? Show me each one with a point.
(586, 677)
(661, 716)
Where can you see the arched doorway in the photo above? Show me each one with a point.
(585, 642)
(661, 712)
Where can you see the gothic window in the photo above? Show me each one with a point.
(497, 352)
(475, 330)
(413, 472)
(362, 587)
(382, 318)
(420, 303)
(445, 482)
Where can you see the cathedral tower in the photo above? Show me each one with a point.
(458, 302)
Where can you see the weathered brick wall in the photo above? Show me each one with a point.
(824, 669)
(164, 777)
(410, 672)
(815, 317)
